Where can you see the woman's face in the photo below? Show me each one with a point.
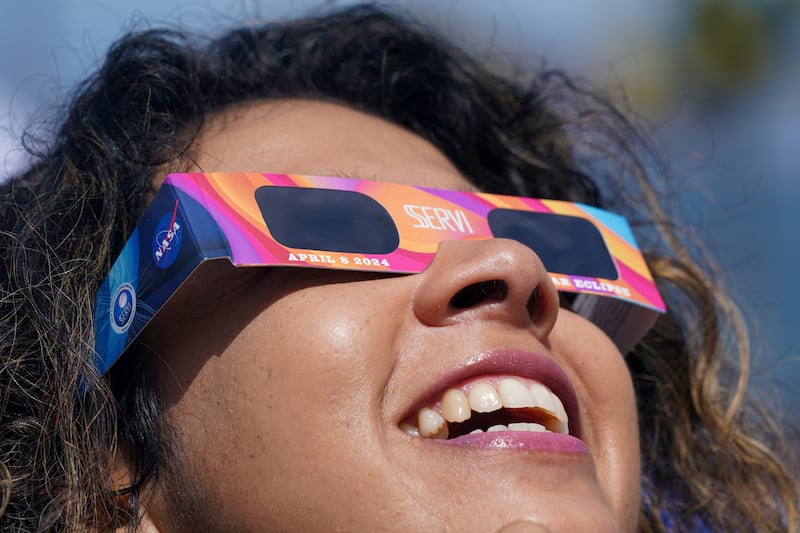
(320, 400)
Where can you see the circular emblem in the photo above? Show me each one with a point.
(123, 308)
(167, 240)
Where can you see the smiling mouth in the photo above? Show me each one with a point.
(489, 404)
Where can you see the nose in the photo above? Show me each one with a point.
(495, 279)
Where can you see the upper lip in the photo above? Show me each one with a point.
(510, 361)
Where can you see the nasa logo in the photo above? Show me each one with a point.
(167, 239)
(123, 308)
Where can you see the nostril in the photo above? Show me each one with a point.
(471, 295)
(535, 304)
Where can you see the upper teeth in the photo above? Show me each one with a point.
(488, 394)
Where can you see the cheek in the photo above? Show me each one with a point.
(325, 338)
(286, 399)
(608, 409)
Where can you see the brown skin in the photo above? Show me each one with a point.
(288, 385)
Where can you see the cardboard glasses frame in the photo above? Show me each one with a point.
(280, 220)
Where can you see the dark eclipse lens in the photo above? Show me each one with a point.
(326, 219)
(566, 244)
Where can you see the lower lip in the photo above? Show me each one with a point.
(520, 440)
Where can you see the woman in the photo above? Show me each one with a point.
(281, 399)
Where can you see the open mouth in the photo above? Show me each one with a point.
(487, 404)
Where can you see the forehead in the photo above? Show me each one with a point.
(320, 138)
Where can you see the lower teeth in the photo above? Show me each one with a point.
(517, 426)
(514, 426)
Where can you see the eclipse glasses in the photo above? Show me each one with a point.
(280, 220)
